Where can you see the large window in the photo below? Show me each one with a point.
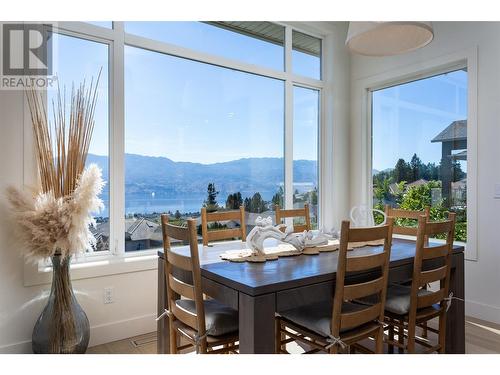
(77, 60)
(419, 132)
(191, 127)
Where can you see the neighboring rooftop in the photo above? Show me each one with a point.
(417, 183)
(456, 131)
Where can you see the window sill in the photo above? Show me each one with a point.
(94, 266)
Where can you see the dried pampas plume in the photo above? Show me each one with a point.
(56, 220)
(48, 225)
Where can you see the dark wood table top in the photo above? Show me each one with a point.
(286, 272)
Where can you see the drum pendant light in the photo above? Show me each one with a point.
(388, 38)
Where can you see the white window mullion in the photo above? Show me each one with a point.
(117, 143)
(288, 200)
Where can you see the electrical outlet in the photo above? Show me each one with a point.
(108, 295)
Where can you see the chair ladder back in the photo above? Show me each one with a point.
(440, 272)
(292, 213)
(398, 213)
(177, 288)
(209, 217)
(352, 291)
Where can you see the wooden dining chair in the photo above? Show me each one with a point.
(410, 306)
(204, 324)
(398, 213)
(341, 322)
(282, 214)
(221, 234)
(408, 230)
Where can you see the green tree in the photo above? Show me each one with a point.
(401, 171)
(381, 189)
(255, 204)
(234, 201)
(416, 168)
(211, 201)
(457, 173)
(417, 198)
(430, 172)
(177, 214)
(278, 197)
(314, 196)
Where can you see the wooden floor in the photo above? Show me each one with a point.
(480, 338)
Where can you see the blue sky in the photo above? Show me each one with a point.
(407, 117)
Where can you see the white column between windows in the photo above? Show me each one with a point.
(288, 199)
(117, 144)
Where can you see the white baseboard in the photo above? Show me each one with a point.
(122, 329)
(100, 334)
(482, 311)
(23, 347)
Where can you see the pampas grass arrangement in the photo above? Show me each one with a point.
(54, 223)
(49, 225)
(57, 219)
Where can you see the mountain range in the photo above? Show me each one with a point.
(165, 177)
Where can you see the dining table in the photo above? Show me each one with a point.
(260, 290)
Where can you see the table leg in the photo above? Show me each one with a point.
(256, 323)
(455, 324)
(162, 343)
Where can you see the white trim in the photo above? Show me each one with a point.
(174, 50)
(288, 146)
(363, 86)
(89, 30)
(117, 144)
(482, 311)
(23, 347)
(95, 266)
(328, 191)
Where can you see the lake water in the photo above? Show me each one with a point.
(185, 204)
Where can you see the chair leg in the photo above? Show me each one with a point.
(390, 347)
(173, 340)
(379, 341)
(401, 337)
(442, 332)
(278, 336)
(283, 338)
(411, 337)
(424, 330)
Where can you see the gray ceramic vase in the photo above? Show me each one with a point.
(63, 326)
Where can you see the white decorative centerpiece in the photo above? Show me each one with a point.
(263, 229)
(305, 239)
(292, 244)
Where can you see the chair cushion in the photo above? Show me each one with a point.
(219, 319)
(398, 298)
(317, 316)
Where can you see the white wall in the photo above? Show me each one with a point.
(483, 275)
(134, 308)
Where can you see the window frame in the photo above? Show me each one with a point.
(363, 87)
(117, 260)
